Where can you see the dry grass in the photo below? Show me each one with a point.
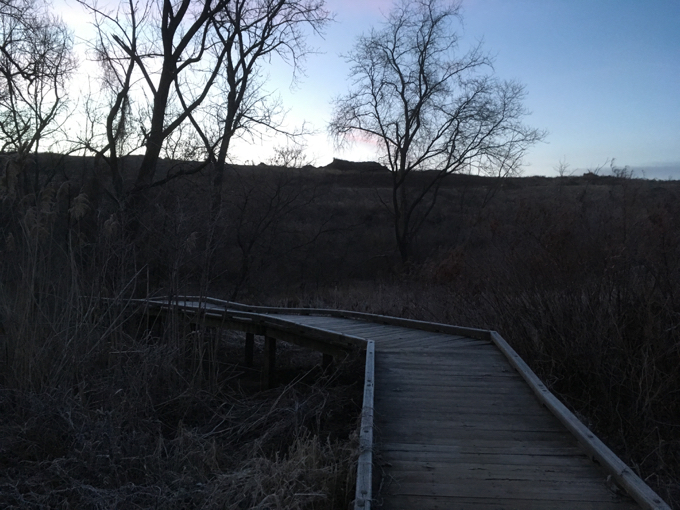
(581, 275)
(138, 432)
(585, 284)
(98, 411)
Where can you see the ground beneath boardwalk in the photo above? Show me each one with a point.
(153, 425)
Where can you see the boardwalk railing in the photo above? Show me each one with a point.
(259, 320)
(624, 476)
(241, 317)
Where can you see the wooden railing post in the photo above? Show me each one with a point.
(250, 349)
(269, 362)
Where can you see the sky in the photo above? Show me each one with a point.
(602, 78)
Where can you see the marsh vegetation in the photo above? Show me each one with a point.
(580, 274)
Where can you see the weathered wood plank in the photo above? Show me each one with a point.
(501, 411)
(479, 352)
(438, 437)
(400, 460)
(487, 380)
(446, 503)
(454, 343)
(456, 393)
(470, 468)
(564, 490)
(482, 446)
(488, 421)
(449, 386)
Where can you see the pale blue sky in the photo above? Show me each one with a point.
(602, 76)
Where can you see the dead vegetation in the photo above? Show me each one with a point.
(97, 410)
(138, 425)
(582, 276)
(100, 410)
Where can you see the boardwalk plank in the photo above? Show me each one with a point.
(481, 446)
(471, 469)
(418, 346)
(419, 416)
(450, 386)
(401, 379)
(564, 490)
(443, 435)
(444, 503)
(463, 411)
(401, 460)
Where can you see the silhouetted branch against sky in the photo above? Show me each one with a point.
(190, 73)
(601, 77)
(431, 106)
(36, 62)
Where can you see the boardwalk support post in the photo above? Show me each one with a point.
(326, 360)
(269, 363)
(250, 349)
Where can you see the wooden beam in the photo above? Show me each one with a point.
(624, 476)
(250, 349)
(269, 363)
(326, 360)
(364, 489)
(479, 334)
(311, 338)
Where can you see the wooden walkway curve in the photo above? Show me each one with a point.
(459, 421)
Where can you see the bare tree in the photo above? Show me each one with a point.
(260, 203)
(251, 32)
(36, 61)
(170, 62)
(429, 108)
(149, 52)
(290, 156)
(562, 169)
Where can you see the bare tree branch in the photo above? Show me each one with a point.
(429, 108)
(36, 61)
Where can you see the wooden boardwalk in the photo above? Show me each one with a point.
(457, 427)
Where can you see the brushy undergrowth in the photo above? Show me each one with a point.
(138, 432)
(99, 410)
